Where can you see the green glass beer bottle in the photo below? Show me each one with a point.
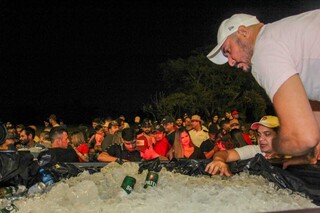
(9, 208)
(128, 184)
(151, 179)
(10, 191)
(6, 191)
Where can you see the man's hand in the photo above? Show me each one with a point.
(311, 158)
(217, 167)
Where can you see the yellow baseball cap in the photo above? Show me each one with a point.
(267, 121)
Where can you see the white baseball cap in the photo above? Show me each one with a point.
(226, 28)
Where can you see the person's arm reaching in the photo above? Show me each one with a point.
(299, 131)
(105, 157)
(219, 166)
(311, 158)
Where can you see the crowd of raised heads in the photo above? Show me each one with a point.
(105, 139)
(109, 140)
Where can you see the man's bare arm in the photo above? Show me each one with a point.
(299, 131)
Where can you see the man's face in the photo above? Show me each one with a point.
(239, 51)
(265, 137)
(159, 135)
(187, 122)
(113, 129)
(215, 118)
(130, 145)
(24, 138)
(146, 129)
(168, 127)
(234, 124)
(64, 140)
(94, 124)
(179, 122)
(195, 123)
(212, 136)
(235, 116)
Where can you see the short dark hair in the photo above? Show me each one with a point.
(56, 132)
(223, 122)
(128, 134)
(29, 131)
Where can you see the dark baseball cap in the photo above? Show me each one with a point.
(159, 128)
(167, 120)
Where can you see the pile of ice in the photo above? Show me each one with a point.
(101, 192)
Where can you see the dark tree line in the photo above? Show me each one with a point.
(197, 86)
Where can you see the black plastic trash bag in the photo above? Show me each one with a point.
(282, 178)
(150, 165)
(18, 168)
(62, 170)
(189, 167)
(59, 170)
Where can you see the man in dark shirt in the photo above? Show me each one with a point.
(168, 124)
(209, 146)
(123, 152)
(59, 151)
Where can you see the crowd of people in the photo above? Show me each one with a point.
(223, 139)
(284, 59)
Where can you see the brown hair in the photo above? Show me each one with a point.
(177, 146)
(77, 138)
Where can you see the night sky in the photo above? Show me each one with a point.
(91, 59)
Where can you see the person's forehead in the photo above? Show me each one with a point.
(262, 128)
(146, 127)
(184, 133)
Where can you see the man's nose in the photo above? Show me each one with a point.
(231, 61)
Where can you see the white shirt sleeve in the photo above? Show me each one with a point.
(247, 152)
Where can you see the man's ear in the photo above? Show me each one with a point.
(243, 30)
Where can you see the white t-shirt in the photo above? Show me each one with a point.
(287, 47)
(198, 137)
(249, 151)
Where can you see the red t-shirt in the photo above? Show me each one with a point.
(162, 147)
(247, 138)
(83, 149)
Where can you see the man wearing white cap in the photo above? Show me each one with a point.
(284, 58)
